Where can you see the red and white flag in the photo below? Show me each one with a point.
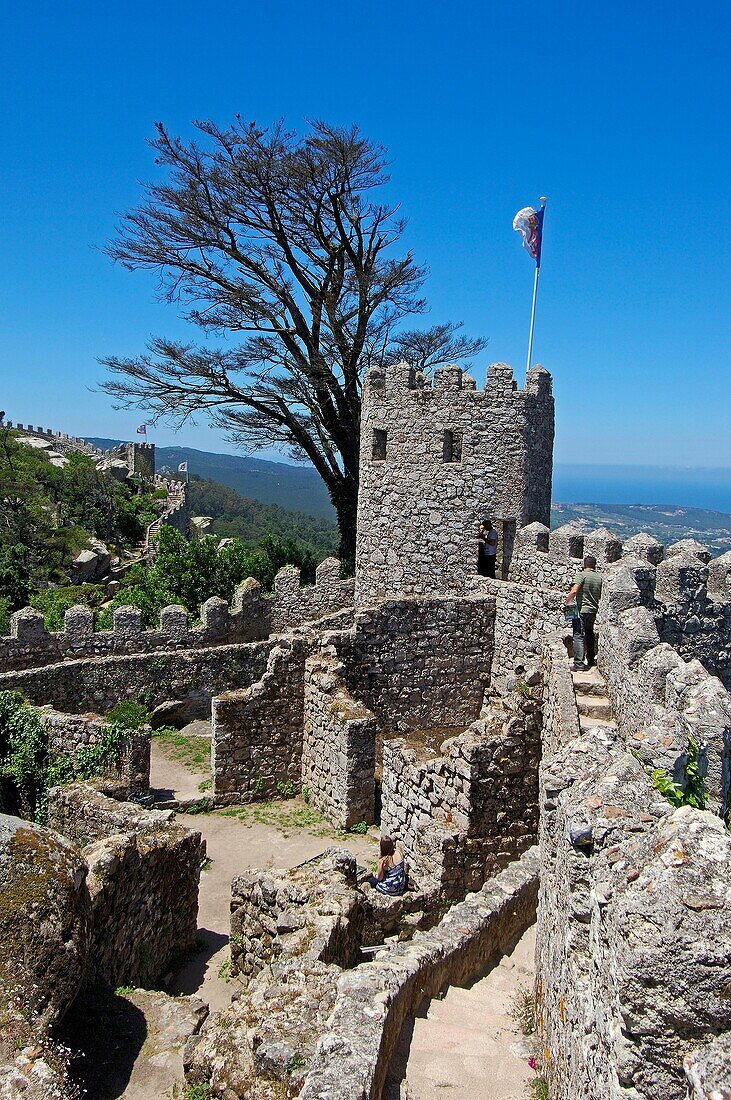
(529, 223)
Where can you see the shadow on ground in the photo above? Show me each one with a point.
(108, 1032)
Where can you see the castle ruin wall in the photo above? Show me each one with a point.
(97, 685)
(257, 730)
(419, 663)
(68, 733)
(252, 616)
(143, 883)
(634, 919)
(339, 744)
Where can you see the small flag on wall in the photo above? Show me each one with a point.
(183, 468)
(529, 223)
(142, 430)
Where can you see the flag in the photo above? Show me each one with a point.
(142, 430)
(529, 223)
(183, 468)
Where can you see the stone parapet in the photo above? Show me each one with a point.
(633, 905)
(374, 1000)
(251, 616)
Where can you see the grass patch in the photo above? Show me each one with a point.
(538, 1089)
(124, 990)
(286, 817)
(523, 1011)
(193, 752)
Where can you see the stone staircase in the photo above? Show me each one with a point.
(592, 699)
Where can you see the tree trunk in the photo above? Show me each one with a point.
(345, 501)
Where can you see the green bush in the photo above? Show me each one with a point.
(53, 603)
(694, 792)
(30, 768)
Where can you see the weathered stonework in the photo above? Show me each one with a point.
(634, 951)
(257, 731)
(142, 883)
(437, 458)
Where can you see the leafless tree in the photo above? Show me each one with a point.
(288, 241)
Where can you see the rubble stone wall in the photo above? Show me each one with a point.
(257, 731)
(275, 914)
(524, 615)
(661, 700)
(251, 616)
(97, 685)
(464, 814)
(398, 664)
(353, 1056)
(143, 883)
(67, 733)
(437, 458)
(339, 744)
(634, 919)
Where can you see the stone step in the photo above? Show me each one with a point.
(590, 682)
(605, 723)
(594, 706)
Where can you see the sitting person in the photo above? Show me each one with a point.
(390, 876)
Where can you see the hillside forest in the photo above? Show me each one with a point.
(49, 513)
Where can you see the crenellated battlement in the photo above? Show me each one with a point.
(65, 441)
(686, 592)
(251, 616)
(403, 379)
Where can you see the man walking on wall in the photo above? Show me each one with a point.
(585, 591)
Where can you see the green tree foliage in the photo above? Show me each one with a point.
(189, 573)
(53, 603)
(29, 768)
(48, 513)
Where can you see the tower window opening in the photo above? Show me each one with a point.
(379, 445)
(452, 445)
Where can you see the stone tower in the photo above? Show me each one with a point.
(141, 460)
(435, 458)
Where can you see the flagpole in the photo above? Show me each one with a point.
(544, 200)
(532, 318)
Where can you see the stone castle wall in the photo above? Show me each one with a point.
(398, 665)
(143, 883)
(463, 814)
(67, 733)
(339, 744)
(191, 677)
(634, 918)
(437, 458)
(660, 699)
(257, 731)
(251, 616)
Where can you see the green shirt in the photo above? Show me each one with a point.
(589, 592)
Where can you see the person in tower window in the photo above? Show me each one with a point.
(486, 549)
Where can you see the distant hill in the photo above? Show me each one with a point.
(237, 516)
(666, 522)
(297, 488)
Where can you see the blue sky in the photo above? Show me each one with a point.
(616, 112)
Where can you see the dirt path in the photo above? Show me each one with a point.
(277, 834)
(467, 1046)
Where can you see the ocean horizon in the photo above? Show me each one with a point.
(686, 487)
